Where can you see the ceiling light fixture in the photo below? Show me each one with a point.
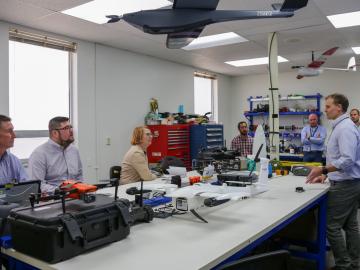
(95, 11)
(214, 41)
(254, 61)
(345, 19)
(356, 50)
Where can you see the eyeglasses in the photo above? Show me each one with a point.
(65, 128)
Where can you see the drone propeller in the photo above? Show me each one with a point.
(113, 18)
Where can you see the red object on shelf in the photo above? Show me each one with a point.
(170, 140)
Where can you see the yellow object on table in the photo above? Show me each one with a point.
(301, 163)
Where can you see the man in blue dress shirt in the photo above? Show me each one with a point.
(11, 169)
(313, 139)
(343, 170)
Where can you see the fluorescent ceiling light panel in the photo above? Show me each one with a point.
(215, 40)
(254, 61)
(356, 50)
(345, 19)
(95, 11)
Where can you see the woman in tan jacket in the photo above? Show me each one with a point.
(135, 163)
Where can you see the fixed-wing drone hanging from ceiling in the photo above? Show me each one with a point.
(315, 68)
(187, 18)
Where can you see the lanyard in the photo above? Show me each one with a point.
(312, 134)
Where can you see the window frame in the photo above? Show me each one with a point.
(214, 93)
(52, 43)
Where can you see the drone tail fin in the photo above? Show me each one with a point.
(292, 5)
(352, 64)
(113, 18)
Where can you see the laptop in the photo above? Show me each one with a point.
(19, 192)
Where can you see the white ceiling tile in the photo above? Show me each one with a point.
(56, 5)
(19, 12)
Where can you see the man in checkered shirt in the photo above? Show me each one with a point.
(243, 143)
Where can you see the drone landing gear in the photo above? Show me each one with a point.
(198, 216)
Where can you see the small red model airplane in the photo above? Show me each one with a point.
(314, 68)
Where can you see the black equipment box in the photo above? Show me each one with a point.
(238, 176)
(48, 234)
(14, 195)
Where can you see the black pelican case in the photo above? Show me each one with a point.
(46, 233)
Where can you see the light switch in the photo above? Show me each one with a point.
(108, 141)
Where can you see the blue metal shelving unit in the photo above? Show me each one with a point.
(205, 136)
(281, 113)
(250, 115)
(251, 101)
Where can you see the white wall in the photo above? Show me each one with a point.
(125, 82)
(329, 82)
(225, 97)
(113, 88)
(4, 68)
(85, 105)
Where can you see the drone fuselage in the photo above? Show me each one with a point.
(167, 21)
(309, 72)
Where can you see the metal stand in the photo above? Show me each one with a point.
(273, 97)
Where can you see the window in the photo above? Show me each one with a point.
(205, 95)
(39, 89)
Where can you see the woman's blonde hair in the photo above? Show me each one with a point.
(138, 134)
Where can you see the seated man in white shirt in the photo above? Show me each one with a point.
(57, 159)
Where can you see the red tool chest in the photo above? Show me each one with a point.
(170, 140)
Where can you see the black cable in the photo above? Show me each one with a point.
(272, 94)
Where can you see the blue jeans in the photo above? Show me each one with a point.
(312, 156)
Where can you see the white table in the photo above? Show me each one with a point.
(184, 242)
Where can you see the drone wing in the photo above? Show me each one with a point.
(181, 39)
(351, 66)
(198, 4)
(322, 59)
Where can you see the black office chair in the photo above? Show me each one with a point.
(115, 172)
(170, 161)
(275, 260)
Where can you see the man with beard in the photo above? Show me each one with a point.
(57, 159)
(355, 117)
(243, 143)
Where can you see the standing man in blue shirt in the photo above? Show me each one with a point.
(11, 169)
(343, 170)
(313, 138)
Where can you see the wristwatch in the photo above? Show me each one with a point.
(325, 171)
